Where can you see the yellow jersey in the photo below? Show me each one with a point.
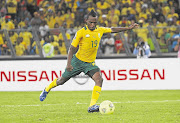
(68, 36)
(60, 19)
(104, 6)
(13, 38)
(1, 40)
(69, 19)
(9, 25)
(62, 49)
(20, 49)
(56, 45)
(142, 32)
(88, 42)
(12, 10)
(50, 21)
(21, 24)
(26, 37)
(160, 30)
(31, 2)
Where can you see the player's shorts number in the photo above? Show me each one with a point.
(94, 43)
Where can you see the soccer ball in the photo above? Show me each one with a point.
(106, 107)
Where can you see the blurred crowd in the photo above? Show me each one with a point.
(20, 17)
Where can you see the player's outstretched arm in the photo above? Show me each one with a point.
(119, 29)
(72, 50)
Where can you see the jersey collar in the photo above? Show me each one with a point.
(86, 27)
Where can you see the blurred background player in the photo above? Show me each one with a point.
(87, 39)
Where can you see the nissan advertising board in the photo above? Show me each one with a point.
(118, 74)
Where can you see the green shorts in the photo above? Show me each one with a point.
(79, 66)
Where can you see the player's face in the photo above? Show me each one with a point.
(91, 23)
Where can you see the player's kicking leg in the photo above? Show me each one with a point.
(96, 92)
(54, 83)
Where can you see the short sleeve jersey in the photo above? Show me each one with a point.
(88, 42)
(26, 37)
(9, 25)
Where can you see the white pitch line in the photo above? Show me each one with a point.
(138, 102)
(31, 105)
(78, 103)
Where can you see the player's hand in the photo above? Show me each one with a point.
(135, 25)
(69, 67)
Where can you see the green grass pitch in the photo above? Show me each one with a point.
(146, 106)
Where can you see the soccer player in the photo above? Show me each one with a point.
(88, 39)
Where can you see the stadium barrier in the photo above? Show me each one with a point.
(158, 38)
(124, 74)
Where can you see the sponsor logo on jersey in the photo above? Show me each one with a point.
(87, 36)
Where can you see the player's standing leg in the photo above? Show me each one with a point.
(54, 83)
(96, 92)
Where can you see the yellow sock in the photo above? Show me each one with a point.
(95, 95)
(52, 85)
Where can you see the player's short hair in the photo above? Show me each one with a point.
(92, 13)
